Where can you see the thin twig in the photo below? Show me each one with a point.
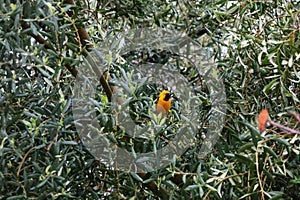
(284, 128)
(40, 39)
(223, 179)
(258, 175)
(23, 160)
(295, 115)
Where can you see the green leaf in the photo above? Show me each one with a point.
(136, 177)
(244, 159)
(271, 86)
(191, 187)
(255, 134)
(270, 151)
(211, 188)
(245, 147)
(284, 142)
(69, 143)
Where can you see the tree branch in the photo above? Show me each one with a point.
(40, 39)
(284, 128)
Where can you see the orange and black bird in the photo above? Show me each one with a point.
(163, 103)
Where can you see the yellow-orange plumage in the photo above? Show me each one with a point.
(163, 103)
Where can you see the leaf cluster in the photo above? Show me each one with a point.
(42, 45)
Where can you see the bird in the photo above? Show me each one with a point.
(263, 118)
(163, 104)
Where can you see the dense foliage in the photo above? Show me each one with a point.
(42, 45)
